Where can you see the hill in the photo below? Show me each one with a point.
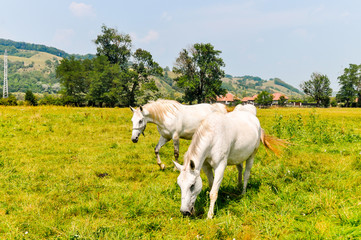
(250, 85)
(32, 67)
(15, 49)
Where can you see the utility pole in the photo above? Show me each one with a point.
(5, 86)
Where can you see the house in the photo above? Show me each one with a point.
(228, 99)
(276, 98)
(249, 100)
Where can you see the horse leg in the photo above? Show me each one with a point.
(240, 170)
(247, 173)
(209, 172)
(160, 144)
(176, 147)
(213, 195)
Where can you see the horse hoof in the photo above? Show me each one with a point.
(162, 166)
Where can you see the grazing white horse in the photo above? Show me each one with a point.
(221, 140)
(173, 120)
(247, 107)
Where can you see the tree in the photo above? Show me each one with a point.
(135, 81)
(200, 73)
(350, 82)
(30, 98)
(282, 101)
(115, 46)
(346, 94)
(318, 87)
(72, 75)
(101, 80)
(133, 78)
(264, 99)
(115, 76)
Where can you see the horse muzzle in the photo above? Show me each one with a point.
(187, 213)
(135, 140)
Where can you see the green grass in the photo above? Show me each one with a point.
(73, 173)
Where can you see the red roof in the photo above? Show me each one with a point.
(276, 97)
(245, 99)
(228, 98)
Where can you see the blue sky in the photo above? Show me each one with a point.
(266, 38)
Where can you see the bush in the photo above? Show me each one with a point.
(51, 100)
(9, 101)
(30, 98)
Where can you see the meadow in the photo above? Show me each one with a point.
(74, 173)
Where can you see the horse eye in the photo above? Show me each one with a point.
(192, 187)
(140, 121)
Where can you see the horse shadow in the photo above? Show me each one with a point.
(226, 195)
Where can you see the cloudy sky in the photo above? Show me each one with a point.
(266, 38)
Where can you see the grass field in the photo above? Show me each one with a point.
(74, 173)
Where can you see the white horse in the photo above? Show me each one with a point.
(173, 120)
(247, 107)
(221, 140)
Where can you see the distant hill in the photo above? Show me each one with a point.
(32, 67)
(14, 48)
(250, 85)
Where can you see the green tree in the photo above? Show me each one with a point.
(72, 75)
(264, 99)
(115, 46)
(346, 94)
(134, 78)
(110, 78)
(282, 101)
(101, 78)
(350, 82)
(200, 73)
(31, 98)
(318, 87)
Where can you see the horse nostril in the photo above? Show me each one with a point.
(135, 140)
(186, 213)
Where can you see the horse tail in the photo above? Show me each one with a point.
(273, 143)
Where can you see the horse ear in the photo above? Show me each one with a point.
(131, 108)
(192, 165)
(178, 166)
(141, 108)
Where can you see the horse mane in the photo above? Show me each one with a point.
(197, 139)
(160, 108)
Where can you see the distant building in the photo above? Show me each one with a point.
(228, 99)
(276, 98)
(249, 100)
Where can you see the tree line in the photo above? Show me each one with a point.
(118, 76)
(349, 95)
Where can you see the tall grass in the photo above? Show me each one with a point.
(73, 173)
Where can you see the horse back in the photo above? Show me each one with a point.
(234, 135)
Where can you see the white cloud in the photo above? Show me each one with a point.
(150, 37)
(82, 10)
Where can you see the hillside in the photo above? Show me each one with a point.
(32, 67)
(249, 85)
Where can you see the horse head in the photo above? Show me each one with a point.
(190, 183)
(139, 123)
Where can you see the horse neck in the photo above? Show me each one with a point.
(155, 117)
(199, 149)
(151, 119)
